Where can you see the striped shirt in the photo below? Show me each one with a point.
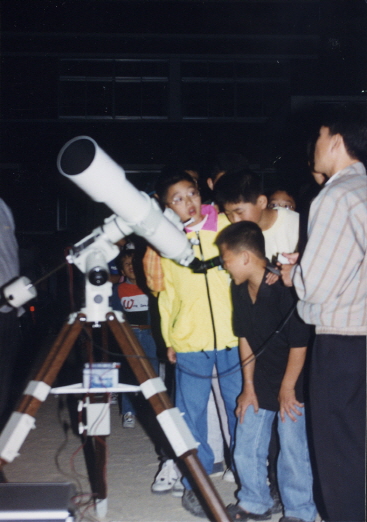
(331, 279)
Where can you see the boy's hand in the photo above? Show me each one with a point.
(271, 278)
(171, 355)
(289, 404)
(246, 399)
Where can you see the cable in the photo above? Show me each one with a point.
(208, 292)
(256, 353)
(184, 369)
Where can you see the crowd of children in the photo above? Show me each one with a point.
(236, 323)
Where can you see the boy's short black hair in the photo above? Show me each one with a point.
(244, 235)
(240, 186)
(170, 176)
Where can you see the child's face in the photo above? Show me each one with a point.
(234, 263)
(184, 199)
(127, 267)
(281, 198)
(242, 211)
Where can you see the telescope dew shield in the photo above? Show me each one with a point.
(88, 166)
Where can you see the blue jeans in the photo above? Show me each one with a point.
(193, 385)
(147, 342)
(294, 468)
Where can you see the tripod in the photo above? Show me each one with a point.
(152, 387)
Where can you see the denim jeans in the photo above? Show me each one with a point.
(147, 342)
(294, 469)
(193, 385)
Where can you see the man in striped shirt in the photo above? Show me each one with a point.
(331, 283)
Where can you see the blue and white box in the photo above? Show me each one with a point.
(101, 375)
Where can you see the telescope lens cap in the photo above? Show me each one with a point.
(77, 157)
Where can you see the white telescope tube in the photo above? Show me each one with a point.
(88, 166)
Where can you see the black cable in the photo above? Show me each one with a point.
(230, 371)
(208, 292)
(256, 353)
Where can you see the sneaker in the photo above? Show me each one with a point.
(128, 420)
(178, 489)
(237, 513)
(228, 476)
(166, 478)
(191, 503)
(277, 507)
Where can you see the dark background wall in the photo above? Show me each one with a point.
(152, 79)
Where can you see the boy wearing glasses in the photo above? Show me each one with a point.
(196, 320)
(282, 198)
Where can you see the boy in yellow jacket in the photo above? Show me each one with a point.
(196, 321)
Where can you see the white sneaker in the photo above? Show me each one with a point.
(178, 489)
(228, 476)
(129, 420)
(166, 477)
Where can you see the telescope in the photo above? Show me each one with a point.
(83, 162)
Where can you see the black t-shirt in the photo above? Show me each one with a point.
(256, 322)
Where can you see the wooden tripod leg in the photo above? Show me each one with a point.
(95, 454)
(95, 449)
(161, 404)
(22, 419)
(100, 450)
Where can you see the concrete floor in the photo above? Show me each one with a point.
(52, 453)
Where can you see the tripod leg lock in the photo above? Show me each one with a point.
(152, 387)
(177, 431)
(37, 389)
(14, 434)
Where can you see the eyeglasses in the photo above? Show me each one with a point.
(275, 205)
(178, 200)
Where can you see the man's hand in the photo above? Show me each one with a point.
(285, 270)
(289, 404)
(171, 355)
(292, 258)
(246, 399)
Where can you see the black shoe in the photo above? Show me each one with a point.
(277, 507)
(291, 519)
(238, 514)
(191, 503)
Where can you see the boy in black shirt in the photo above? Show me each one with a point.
(272, 373)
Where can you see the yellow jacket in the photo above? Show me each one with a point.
(186, 321)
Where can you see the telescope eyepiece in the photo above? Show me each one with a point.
(201, 267)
